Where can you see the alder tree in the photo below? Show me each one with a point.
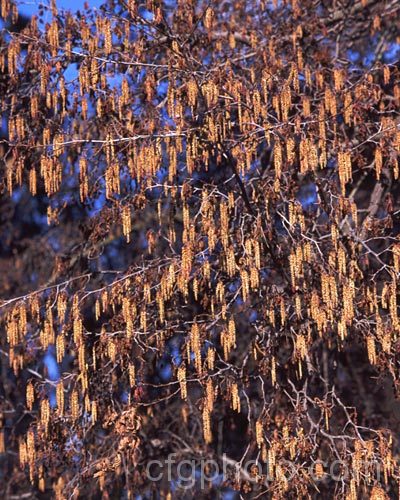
(200, 248)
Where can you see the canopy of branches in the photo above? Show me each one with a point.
(199, 248)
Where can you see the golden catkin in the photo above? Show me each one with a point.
(126, 222)
(277, 164)
(182, 381)
(273, 370)
(2, 442)
(132, 375)
(259, 433)
(94, 411)
(74, 404)
(211, 358)
(83, 179)
(378, 162)
(60, 398)
(235, 398)
(60, 347)
(371, 349)
(344, 168)
(195, 344)
(207, 425)
(210, 395)
(30, 396)
(45, 414)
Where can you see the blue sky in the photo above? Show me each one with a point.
(30, 7)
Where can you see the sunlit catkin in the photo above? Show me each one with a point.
(74, 404)
(30, 396)
(378, 162)
(196, 346)
(371, 349)
(45, 414)
(277, 163)
(126, 222)
(182, 381)
(207, 425)
(60, 398)
(235, 397)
